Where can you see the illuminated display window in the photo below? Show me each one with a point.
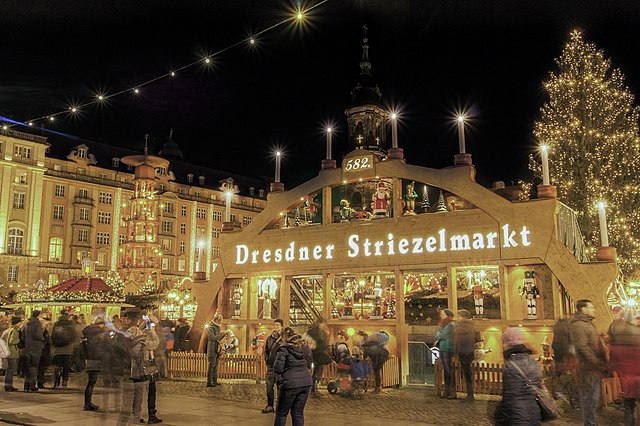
(426, 293)
(363, 296)
(479, 290)
(265, 291)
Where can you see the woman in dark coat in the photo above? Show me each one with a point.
(519, 405)
(320, 334)
(95, 346)
(292, 364)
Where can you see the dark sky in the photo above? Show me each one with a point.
(429, 58)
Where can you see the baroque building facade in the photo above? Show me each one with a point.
(62, 200)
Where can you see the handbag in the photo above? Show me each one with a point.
(144, 370)
(549, 410)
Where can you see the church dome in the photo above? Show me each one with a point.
(170, 150)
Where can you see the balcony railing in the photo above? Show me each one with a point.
(88, 178)
(79, 199)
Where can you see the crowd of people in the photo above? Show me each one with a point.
(295, 363)
(128, 352)
(582, 357)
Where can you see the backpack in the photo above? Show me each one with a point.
(21, 343)
(62, 335)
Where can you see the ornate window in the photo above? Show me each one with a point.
(102, 238)
(15, 241)
(104, 218)
(59, 190)
(55, 249)
(84, 214)
(12, 274)
(58, 212)
(18, 200)
(105, 198)
(83, 235)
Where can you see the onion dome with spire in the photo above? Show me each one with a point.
(170, 150)
(366, 116)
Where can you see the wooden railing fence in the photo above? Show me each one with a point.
(252, 367)
(487, 379)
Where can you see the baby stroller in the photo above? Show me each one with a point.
(352, 376)
(342, 382)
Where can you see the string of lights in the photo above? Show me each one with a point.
(591, 128)
(297, 17)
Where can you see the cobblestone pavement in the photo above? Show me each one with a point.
(417, 404)
(403, 406)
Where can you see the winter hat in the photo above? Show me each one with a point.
(449, 313)
(464, 313)
(15, 320)
(511, 337)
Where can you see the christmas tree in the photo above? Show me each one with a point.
(149, 286)
(442, 206)
(426, 205)
(297, 217)
(590, 126)
(114, 281)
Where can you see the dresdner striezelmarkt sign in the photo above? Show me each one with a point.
(358, 246)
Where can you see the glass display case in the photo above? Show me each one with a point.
(479, 290)
(426, 293)
(363, 296)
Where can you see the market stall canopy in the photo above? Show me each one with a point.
(81, 284)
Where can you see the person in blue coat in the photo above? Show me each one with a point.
(292, 365)
(444, 334)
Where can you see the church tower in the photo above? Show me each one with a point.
(366, 117)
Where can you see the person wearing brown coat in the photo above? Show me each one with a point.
(464, 340)
(591, 356)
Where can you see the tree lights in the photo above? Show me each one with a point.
(590, 126)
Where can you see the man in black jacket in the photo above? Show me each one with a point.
(270, 349)
(214, 336)
(33, 345)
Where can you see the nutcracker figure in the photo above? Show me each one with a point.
(237, 300)
(530, 292)
(348, 301)
(478, 299)
(410, 200)
(380, 201)
(311, 208)
(377, 301)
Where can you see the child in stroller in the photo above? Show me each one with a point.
(342, 358)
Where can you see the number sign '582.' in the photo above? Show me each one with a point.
(360, 163)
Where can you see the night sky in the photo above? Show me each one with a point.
(430, 59)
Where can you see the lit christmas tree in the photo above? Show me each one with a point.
(149, 286)
(442, 206)
(114, 281)
(297, 217)
(426, 205)
(590, 125)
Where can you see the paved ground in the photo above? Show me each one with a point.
(182, 402)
